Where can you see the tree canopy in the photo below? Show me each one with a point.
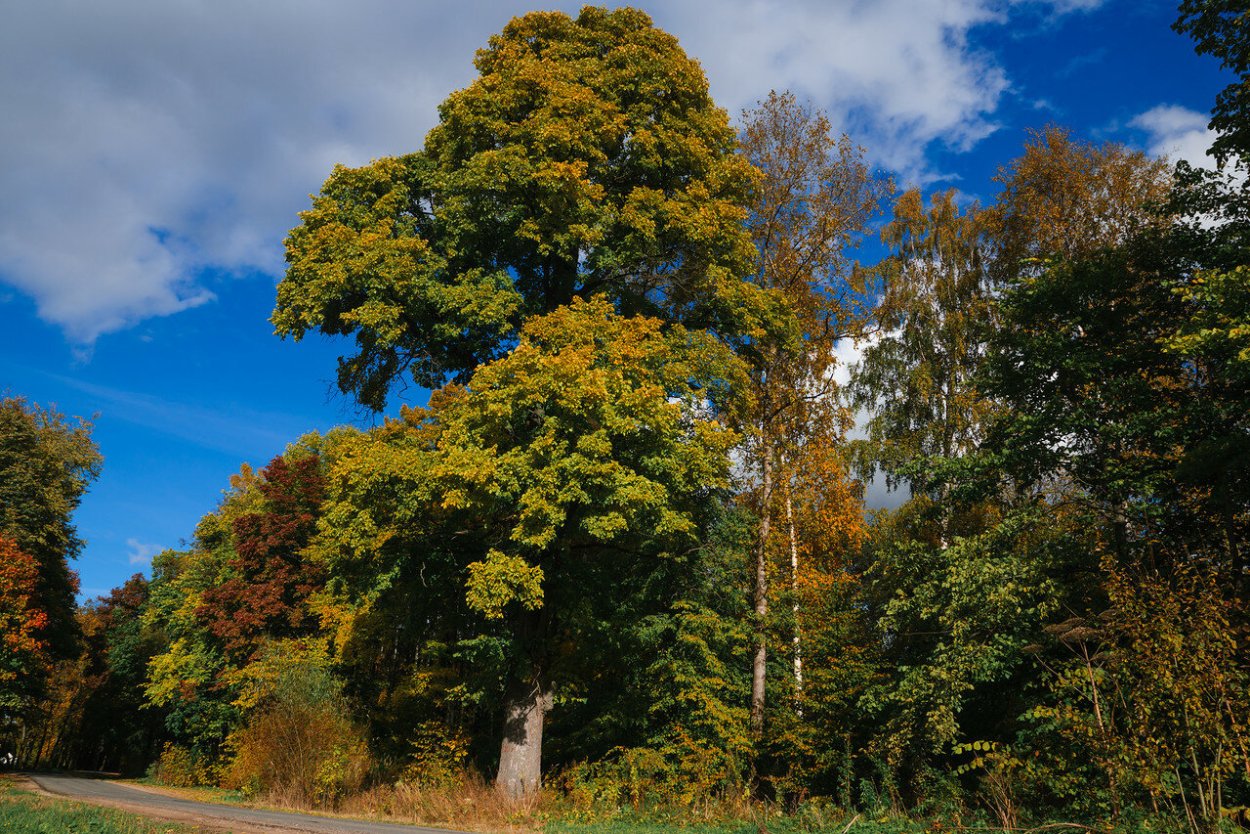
(586, 159)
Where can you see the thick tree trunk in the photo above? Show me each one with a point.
(760, 662)
(520, 755)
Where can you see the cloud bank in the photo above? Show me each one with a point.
(149, 146)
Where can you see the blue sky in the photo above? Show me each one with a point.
(154, 157)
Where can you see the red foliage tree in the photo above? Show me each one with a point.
(272, 580)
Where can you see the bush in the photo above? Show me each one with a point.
(300, 747)
(440, 756)
(182, 768)
(683, 776)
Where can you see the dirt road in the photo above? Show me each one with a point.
(136, 800)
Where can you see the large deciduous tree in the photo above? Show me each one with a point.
(587, 158)
(563, 473)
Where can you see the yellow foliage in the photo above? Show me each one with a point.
(503, 579)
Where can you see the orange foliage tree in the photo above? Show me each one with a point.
(24, 657)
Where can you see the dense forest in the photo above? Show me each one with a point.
(623, 558)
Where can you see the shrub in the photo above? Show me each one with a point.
(182, 768)
(440, 756)
(682, 776)
(300, 746)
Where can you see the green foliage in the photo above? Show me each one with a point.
(682, 773)
(242, 584)
(563, 170)
(499, 580)
(589, 431)
(662, 666)
(562, 478)
(1219, 331)
(590, 428)
(118, 731)
(810, 819)
(956, 620)
(47, 463)
(1221, 28)
(917, 379)
(1149, 693)
(439, 757)
(181, 679)
(181, 767)
(1051, 631)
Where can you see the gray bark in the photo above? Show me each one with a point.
(520, 755)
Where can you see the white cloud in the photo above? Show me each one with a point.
(145, 144)
(1177, 133)
(140, 553)
(900, 69)
(1069, 6)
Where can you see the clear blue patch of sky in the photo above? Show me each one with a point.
(1092, 72)
(178, 404)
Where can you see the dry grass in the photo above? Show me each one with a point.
(468, 802)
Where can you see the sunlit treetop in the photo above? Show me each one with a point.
(1067, 198)
(586, 159)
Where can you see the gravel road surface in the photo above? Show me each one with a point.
(104, 792)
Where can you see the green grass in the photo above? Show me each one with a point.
(780, 825)
(23, 812)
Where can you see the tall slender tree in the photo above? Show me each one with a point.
(815, 197)
(917, 379)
